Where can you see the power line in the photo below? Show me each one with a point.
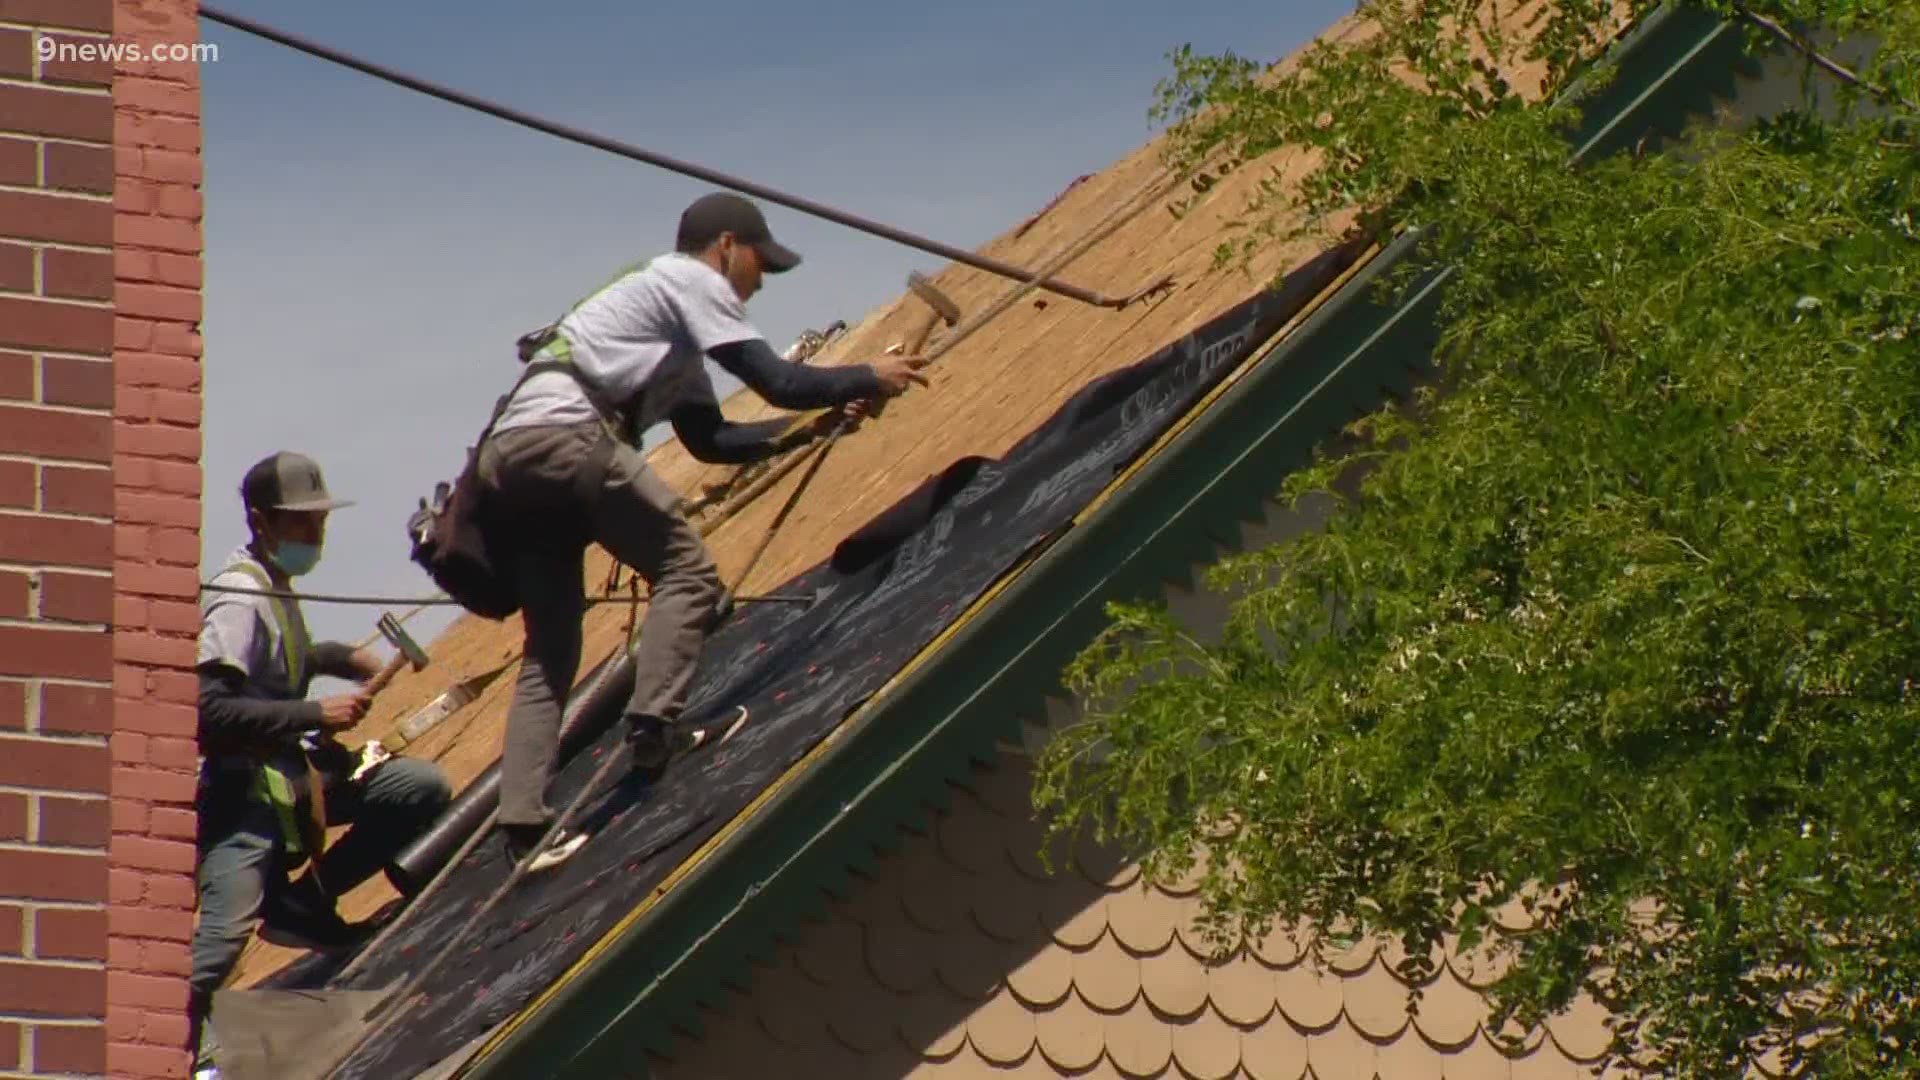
(701, 172)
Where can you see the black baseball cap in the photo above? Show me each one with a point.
(723, 212)
(287, 481)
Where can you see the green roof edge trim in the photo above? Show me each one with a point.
(1185, 502)
(1671, 67)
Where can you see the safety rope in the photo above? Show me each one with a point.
(1122, 212)
(633, 611)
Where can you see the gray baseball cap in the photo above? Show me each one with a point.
(287, 481)
(722, 212)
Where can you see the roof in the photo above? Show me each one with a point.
(1028, 606)
(986, 394)
(891, 590)
(961, 957)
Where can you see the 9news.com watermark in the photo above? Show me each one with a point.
(51, 50)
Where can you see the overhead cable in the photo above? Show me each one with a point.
(700, 172)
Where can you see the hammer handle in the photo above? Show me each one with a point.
(919, 339)
(914, 345)
(379, 682)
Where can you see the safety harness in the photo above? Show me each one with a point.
(301, 836)
(548, 349)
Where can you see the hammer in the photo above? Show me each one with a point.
(944, 310)
(407, 651)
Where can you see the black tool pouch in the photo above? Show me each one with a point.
(451, 540)
(469, 562)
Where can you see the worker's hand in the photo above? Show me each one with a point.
(898, 372)
(342, 711)
(848, 416)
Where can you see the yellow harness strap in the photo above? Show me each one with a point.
(302, 838)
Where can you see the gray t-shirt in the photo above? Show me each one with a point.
(238, 630)
(642, 342)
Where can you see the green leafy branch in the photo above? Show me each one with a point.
(1614, 638)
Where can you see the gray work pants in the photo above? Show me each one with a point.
(530, 480)
(241, 863)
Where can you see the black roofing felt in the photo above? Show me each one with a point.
(887, 592)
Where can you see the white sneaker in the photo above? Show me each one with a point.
(563, 846)
(695, 736)
(656, 745)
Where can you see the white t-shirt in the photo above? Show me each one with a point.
(641, 341)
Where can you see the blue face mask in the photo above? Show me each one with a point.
(296, 558)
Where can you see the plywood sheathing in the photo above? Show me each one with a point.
(987, 393)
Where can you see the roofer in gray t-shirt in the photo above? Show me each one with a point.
(554, 478)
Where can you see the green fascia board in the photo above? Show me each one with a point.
(898, 758)
(1668, 70)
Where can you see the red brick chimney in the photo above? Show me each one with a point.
(99, 532)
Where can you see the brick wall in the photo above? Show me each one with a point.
(156, 498)
(99, 519)
(56, 543)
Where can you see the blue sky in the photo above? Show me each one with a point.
(372, 253)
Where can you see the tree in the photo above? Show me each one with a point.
(1623, 621)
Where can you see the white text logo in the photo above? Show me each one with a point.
(52, 51)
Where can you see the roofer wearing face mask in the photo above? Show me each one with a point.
(560, 470)
(257, 780)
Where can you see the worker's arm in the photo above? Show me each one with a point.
(231, 722)
(233, 644)
(715, 320)
(712, 438)
(788, 385)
